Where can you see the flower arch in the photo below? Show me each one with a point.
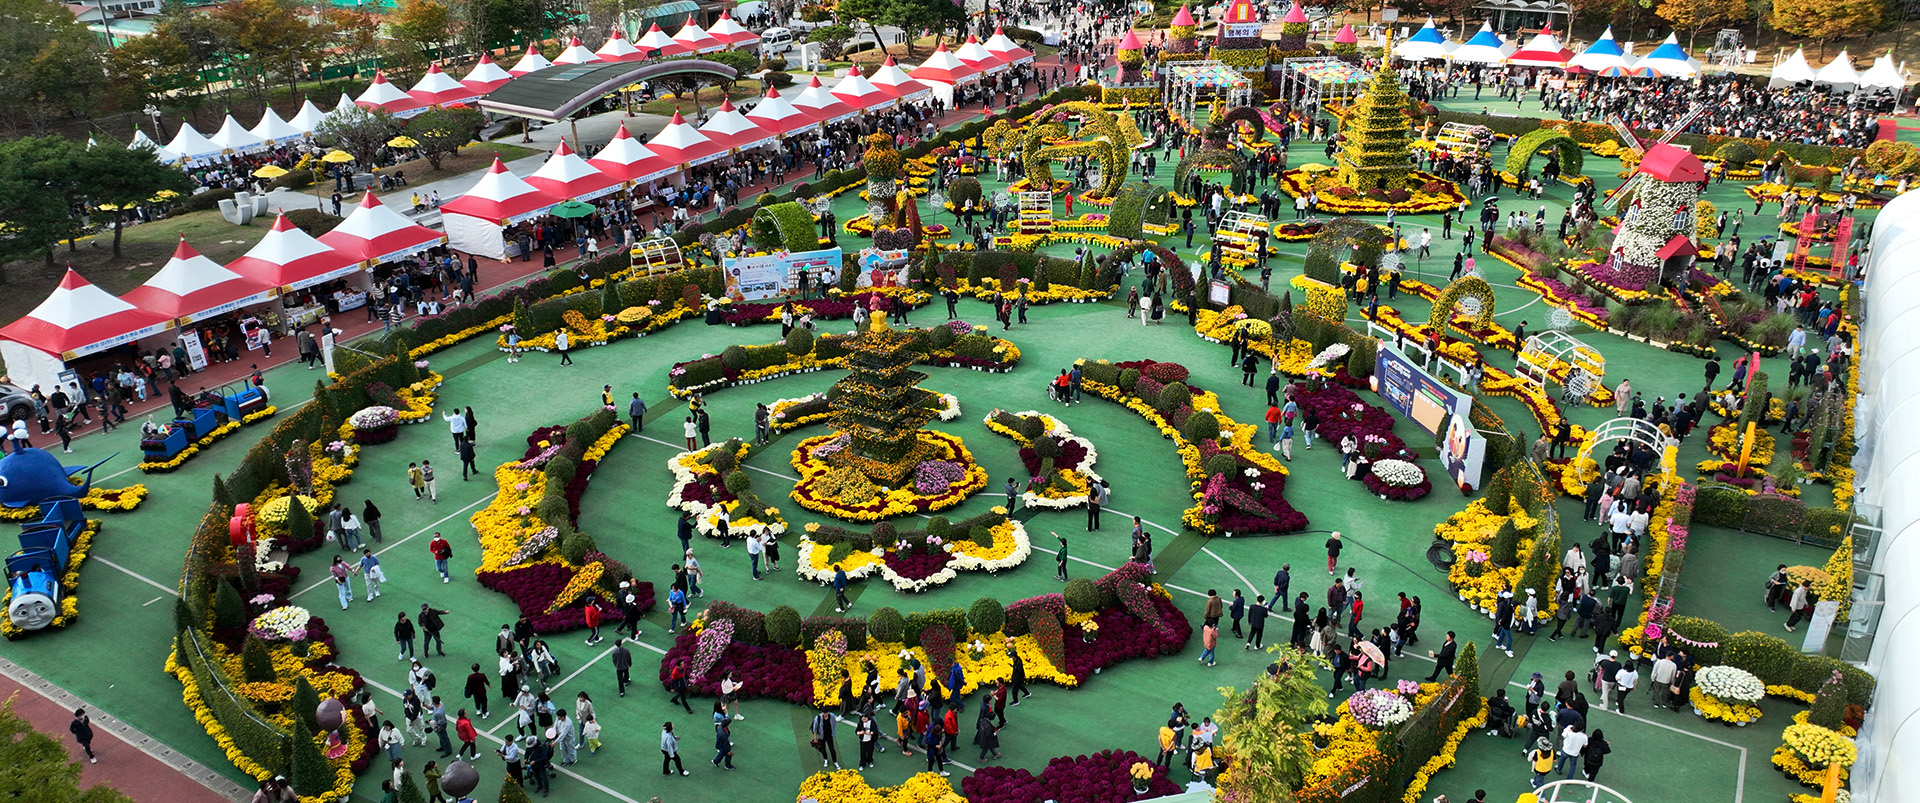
(1248, 115)
(1532, 143)
(787, 225)
(1463, 287)
(1212, 156)
(1047, 138)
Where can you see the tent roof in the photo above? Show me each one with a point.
(618, 48)
(816, 102)
(235, 137)
(1006, 48)
(566, 175)
(1426, 43)
(895, 81)
(974, 54)
(1794, 70)
(79, 318)
(1670, 60)
(486, 76)
(373, 232)
(530, 62)
(500, 196)
(308, 118)
(1544, 51)
(856, 90)
(693, 38)
(1484, 48)
(190, 145)
(1672, 165)
(437, 88)
(731, 128)
(160, 153)
(775, 113)
(1603, 53)
(942, 66)
(625, 158)
(1838, 72)
(291, 259)
(726, 30)
(382, 94)
(1883, 74)
(576, 53)
(656, 39)
(680, 142)
(191, 286)
(273, 129)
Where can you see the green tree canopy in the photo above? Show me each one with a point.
(441, 131)
(358, 131)
(111, 174)
(37, 769)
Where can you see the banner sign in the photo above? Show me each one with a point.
(753, 278)
(882, 268)
(1415, 393)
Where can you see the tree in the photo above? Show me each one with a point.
(1693, 16)
(38, 769)
(872, 12)
(267, 40)
(1828, 20)
(832, 39)
(441, 131)
(741, 61)
(358, 131)
(939, 16)
(49, 63)
(308, 769)
(36, 183)
(354, 34)
(1264, 731)
(425, 24)
(113, 175)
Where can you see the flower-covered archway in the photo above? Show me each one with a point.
(1462, 288)
(1532, 143)
(1048, 139)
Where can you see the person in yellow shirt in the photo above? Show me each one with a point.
(1168, 745)
(1540, 758)
(1202, 762)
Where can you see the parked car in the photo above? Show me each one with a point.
(17, 404)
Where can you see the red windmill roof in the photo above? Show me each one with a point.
(1673, 165)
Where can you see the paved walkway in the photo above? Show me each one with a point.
(130, 761)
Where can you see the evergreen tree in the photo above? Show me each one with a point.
(1466, 672)
(410, 789)
(221, 496)
(38, 769)
(310, 772)
(1830, 705)
(256, 662)
(306, 702)
(511, 792)
(228, 610)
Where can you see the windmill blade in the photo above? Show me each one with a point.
(1681, 127)
(1620, 193)
(1627, 137)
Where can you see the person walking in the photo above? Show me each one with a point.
(722, 737)
(868, 734)
(1097, 497)
(1595, 753)
(623, 667)
(563, 345)
(1333, 552)
(437, 722)
(82, 729)
(469, 735)
(1443, 659)
(1540, 760)
(840, 602)
(1209, 638)
(478, 684)
(442, 551)
(636, 412)
(1573, 745)
(692, 433)
(1256, 623)
(1237, 610)
(371, 515)
(426, 478)
(1060, 560)
(403, 631)
(467, 468)
(1624, 682)
(370, 572)
(670, 751)
(823, 741)
(1800, 606)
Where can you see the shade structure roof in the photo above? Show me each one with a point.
(501, 197)
(618, 48)
(731, 129)
(1794, 70)
(656, 39)
(1673, 165)
(1671, 60)
(556, 92)
(161, 154)
(531, 62)
(1544, 50)
(236, 138)
(344, 103)
(1483, 48)
(625, 158)
(680, 142)
(730, 32)
(1838, 72)
(816, 102)
(777, 114)
(192, 146)
(896, 83)
(1426, 43)
(944, 67)
(192, 287)
(976, 55)
(1603, 53)
(486, 76)
(291, 259)
(308, 118)
(437, 88)
(695, 40)
(382, 94)
(999, 44)
(566, 175)
(273, 130)
(1883, 74)
(860, 93)
(373, 233)
(79, 318)
(575, 53)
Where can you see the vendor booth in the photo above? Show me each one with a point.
(624, 158)
(373, 234)
(476, 221)
(77, 319)
(203, 300)
(296, 263)
(942, 72)
(566, 175)
(485, 76)
(898, 85)
(777, 114)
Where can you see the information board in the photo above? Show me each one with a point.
(753, 278)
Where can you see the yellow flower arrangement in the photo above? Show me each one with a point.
(417, 399)
(105, 499)
(847, 786)
(286, 665)
(1787, 761)
(844, 493)
(272, 692)
(1818, 746)
(1443, 759)
(583, 582)
(1713, 709)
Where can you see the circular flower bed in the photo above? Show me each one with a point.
(1727, 694)
(376, 424)
(830, 487)
(1397, 479)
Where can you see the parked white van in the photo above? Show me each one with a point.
(775, 41)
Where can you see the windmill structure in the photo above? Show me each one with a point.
(1641, 147)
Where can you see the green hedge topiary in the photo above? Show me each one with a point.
(783, 626)
(1082, 596)
(1201, 426)
(886, 624)
(987, 615)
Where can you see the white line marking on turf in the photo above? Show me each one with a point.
(154, 600)
(393, 544)
(131, 573)
(1740, 785)
(1223, 562)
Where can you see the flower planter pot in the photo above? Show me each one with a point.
(1139, 788)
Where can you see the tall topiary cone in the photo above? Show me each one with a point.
(1830, 705)
(1129, 55)
(1376, 154)
(312, 775)
(1840, 571)
(511, 792)
(1293, 29)
(1181, 36)
(881, 406)
(1346, 45)
(1467, 672)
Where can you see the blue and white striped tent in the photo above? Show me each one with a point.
(1604, 53)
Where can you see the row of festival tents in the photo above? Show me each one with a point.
(79, 318)
(1839, 73)
(1604, 57)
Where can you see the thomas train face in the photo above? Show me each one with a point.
(32, 611)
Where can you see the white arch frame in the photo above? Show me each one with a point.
(1578, 791)
(1237, 234)
(1586, 367)
(1637, 430)
(657, 255)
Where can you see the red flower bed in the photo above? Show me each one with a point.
(1379, 488)
(533, 588)
(1123, 636)
(918, 567)
(764, 670)
(1103, 777)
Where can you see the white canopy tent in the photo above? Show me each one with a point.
(1795, 70)
(165, 156)
(192, 147)
(274, 131)
(235, 138)
(76, 319)
(1838, 73)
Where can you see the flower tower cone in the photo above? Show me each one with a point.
(1130, 58)
(1346, 44)
(1181, 38)
(881, 407)
(1376, 154)
(1293, 29)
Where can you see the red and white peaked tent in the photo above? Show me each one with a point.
(977, 56)
(192, 287)
(576, 53)
(1544, 50)
(566, 175)
(531, 62)
(897, 84)
(656, 39)
(733, 130)
(860, 93)
(777, 114)
(626, 159)
(291, 259)
(695, 40)
(75, 320)
(486, 76)
(500, 197)
(942, 66)
(730, 32)
(382, 94)
(1000, 45)
(816, 102)
(618, 48)
(373, 233)
(437, 88)
(680, 142)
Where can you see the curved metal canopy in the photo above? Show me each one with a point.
(555, 93)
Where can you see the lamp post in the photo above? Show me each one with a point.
(153, 111)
